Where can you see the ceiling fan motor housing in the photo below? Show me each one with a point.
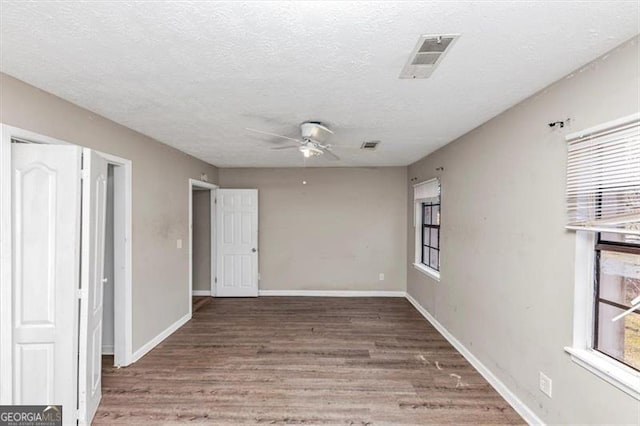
(314, 131)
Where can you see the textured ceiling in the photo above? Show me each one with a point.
(195, 74)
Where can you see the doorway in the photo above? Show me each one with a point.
(116, 338)
(202, 267)
(51, 206)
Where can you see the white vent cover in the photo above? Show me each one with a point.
(427, 55)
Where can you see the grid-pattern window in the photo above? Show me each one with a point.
(427, 204)
(431, 234)
(617, 280)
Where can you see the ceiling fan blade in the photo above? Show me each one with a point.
(271, 134)
(331, 154)
(356, 148)
(286, 147)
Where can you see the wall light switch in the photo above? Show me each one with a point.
(179, 243)
(381, 276)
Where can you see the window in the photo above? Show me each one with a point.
(617, 286)
(603, 205)
(427, 227)
(431, 234)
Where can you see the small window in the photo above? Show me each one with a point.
(427, 227)
(617, 284)
(431, 235)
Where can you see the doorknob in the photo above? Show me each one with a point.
(253, 250)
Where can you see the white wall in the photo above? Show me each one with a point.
(337, 232)
(507, 262)
(160, 197)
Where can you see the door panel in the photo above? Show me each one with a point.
(94, 199)
(237, 217)
(46, 237)
(35, 385)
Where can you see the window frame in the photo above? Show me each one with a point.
(582, 349)
(429, 226)
(419, 227)
(608, 246)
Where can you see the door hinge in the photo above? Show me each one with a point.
(215, 201)
(81, 293)
(215, 280)
(85, 174)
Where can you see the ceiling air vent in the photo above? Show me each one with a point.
(370, 145)
(427, 55)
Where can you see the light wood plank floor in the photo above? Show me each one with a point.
(292, 360)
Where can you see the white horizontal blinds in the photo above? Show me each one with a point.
(428, 189)
(603, 179)
(424, 192)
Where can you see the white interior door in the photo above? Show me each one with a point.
(237, 229)
(94, 198)
(45, 246)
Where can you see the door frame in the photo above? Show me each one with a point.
(122, 289)
(195, 183)
(7, 133)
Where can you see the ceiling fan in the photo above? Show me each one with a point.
(311, 142)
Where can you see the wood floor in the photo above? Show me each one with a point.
(291, 360)
(198, 302)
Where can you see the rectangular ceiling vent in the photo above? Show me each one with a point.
(427, 55)
(370, 145)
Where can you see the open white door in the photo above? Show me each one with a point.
(45, 246)
(237, 248)
(94, 198)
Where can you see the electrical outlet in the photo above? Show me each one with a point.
(381, 276)
(545, 384)
(179, 243)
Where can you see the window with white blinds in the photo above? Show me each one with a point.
(427, 212)
(603, 178)
(424, 192)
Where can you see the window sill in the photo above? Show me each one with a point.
(427, 271)
(619, 375)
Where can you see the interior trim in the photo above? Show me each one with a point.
(332, 293)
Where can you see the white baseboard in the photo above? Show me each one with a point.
(527, 414)
(332, 293)
(159, 338)
(107, 350)
(201, 292)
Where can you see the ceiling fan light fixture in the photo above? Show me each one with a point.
(309, 151)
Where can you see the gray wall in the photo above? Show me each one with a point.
(507, 263)
(160, 197)
(202, 240)
(337, 232)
